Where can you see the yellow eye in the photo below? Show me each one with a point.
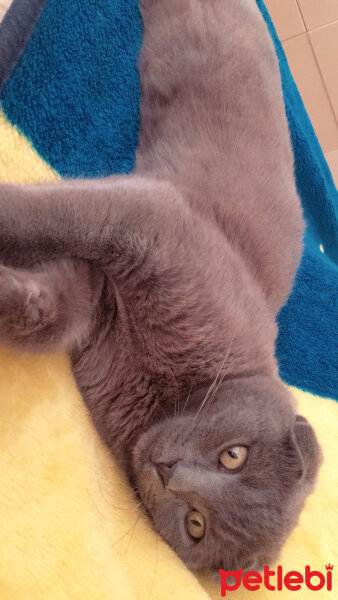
(234, 457)
(195, 524)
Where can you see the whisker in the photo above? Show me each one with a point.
(177, 412)
(155, 570)
(208, 392)
(212, 392)
(221, 379)
(164, 412)
(177, 399)
(131, 529)
(187, 400)
(132, 533)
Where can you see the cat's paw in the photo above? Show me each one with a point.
(26, 306)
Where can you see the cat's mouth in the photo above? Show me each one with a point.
(158, 477)
(152, 486)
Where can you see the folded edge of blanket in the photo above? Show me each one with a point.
(16, 29)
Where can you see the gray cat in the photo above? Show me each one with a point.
(164, 287)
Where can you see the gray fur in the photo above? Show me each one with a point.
(165, 282)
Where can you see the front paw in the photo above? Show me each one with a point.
(27, 307)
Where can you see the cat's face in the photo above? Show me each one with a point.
(225, 488)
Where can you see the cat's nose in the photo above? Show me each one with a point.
(165, 471)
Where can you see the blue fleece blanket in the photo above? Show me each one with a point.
(72, 88)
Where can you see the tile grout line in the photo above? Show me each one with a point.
(294, 37)
(301, 15)
(313, 28)
(307, 31)
(322, 78)
(323, 26)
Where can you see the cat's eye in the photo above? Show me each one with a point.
(195, 524)
(233, 458)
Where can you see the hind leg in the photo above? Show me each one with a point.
(50, 307)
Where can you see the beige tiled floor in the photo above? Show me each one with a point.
(309, 32)
(324, 42)
(308, 77)
(4, 4)
(318, 12)
(287, 17)
(332, 159)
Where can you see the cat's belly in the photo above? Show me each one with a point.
(213, 122)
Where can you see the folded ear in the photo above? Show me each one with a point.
(307, 446)
(302, 453)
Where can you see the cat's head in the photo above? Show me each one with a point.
(224, 486)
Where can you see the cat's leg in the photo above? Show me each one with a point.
(49, 307)
(138, 231)
(109, 222)
(158, 255)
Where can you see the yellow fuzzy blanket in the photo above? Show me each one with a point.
(69, 526)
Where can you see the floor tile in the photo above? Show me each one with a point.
(332, 159)
(318, 12)
(325, 44)
(310, 84)
(286, 17)
(4, 4)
